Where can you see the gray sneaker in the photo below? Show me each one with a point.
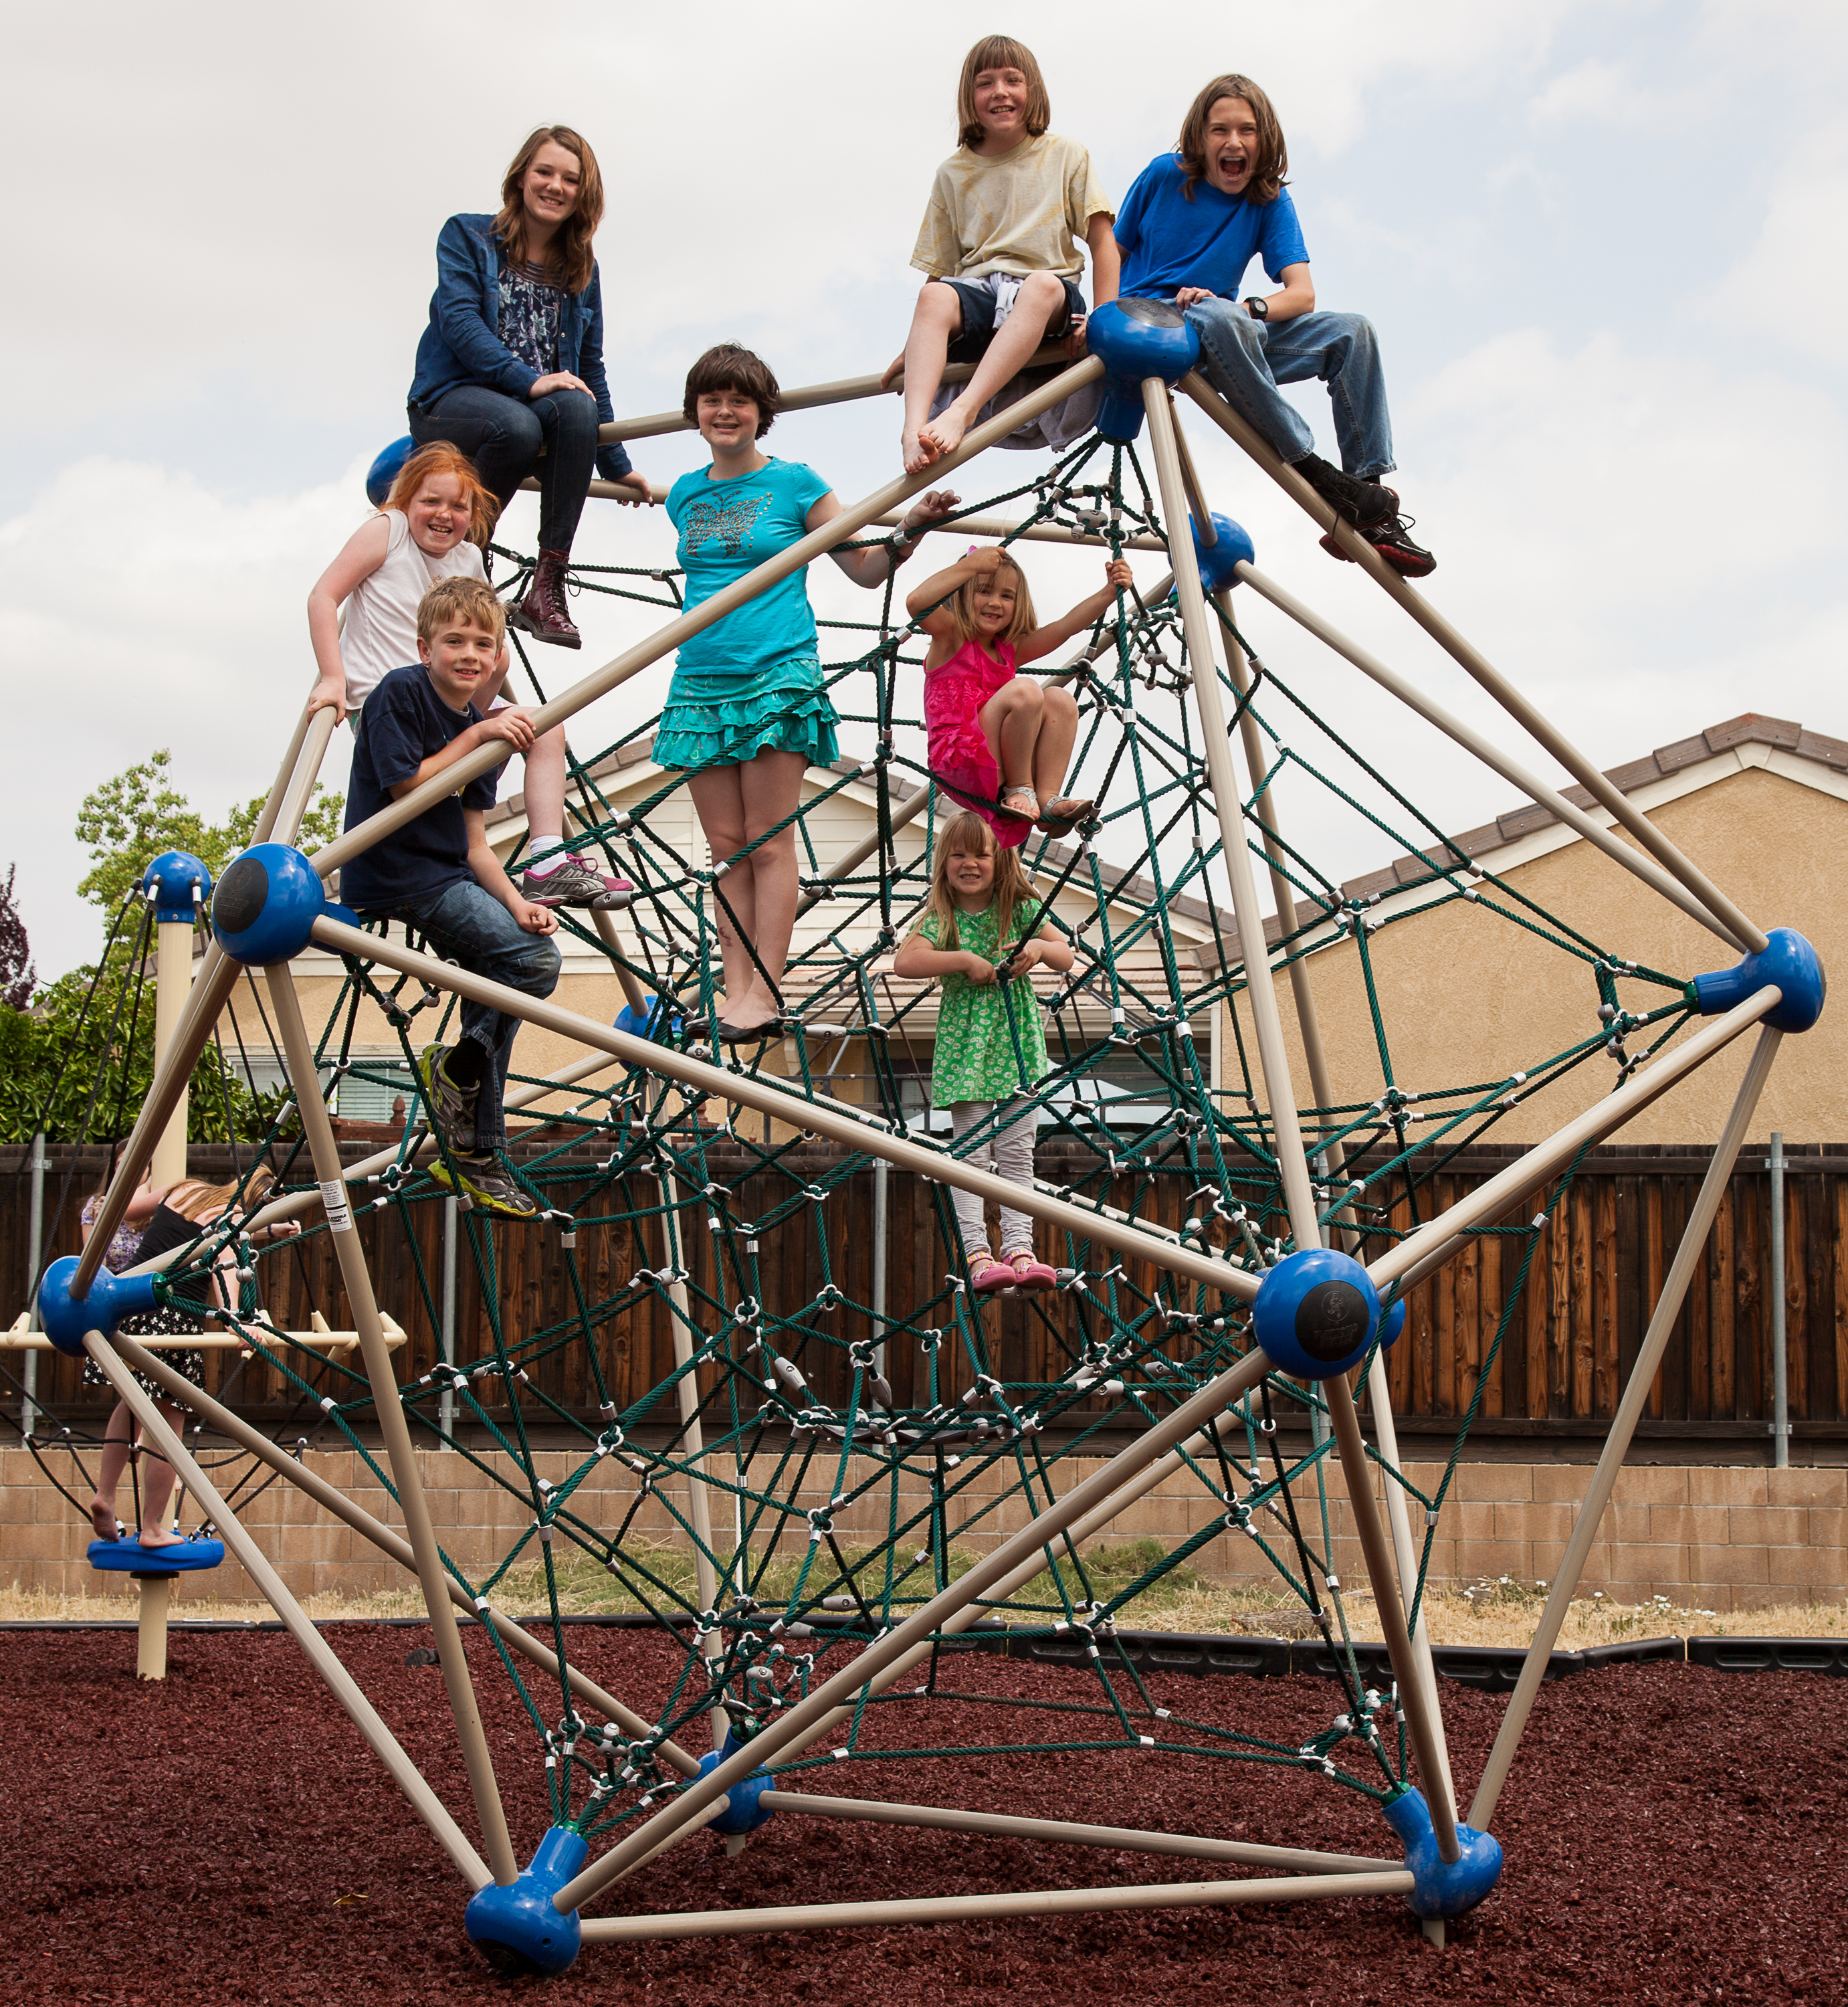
(449, 1108)
(573, 883)
(483, 1180)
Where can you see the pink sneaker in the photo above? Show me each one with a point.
(986, 1274)
(1030, 1274)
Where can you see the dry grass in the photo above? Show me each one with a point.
(1499, 1613)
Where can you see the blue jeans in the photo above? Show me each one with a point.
(1245, 360)
(503, 435)
(467, 926)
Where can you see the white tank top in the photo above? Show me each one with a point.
(381, 631)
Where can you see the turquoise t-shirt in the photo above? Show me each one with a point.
(729, 527)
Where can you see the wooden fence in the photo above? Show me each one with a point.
(1566, 1349)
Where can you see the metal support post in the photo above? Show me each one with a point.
(389, 1406)
(446, 1407)
(1780, 1357)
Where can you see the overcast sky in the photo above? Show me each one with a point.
(1594, 239)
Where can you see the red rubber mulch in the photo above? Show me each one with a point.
(1672, 1835)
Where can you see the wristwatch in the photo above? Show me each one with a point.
(1258, 308)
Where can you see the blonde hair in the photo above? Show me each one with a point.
(962, 609)
(1000, 52)
(1273, 155)
(471, 600)
(203, 1200)
(969, 834)
(571, 247)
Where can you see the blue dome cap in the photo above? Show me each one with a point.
(1135, 339)
(64, 1319)
(266, 905)
(178, 883)
(385, 470)
(518, 1928)
(1316, 1314)
(1787, 959)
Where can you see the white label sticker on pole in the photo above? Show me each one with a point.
(334, 1196)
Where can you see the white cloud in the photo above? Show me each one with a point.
(1795, 284)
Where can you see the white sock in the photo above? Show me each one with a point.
(550, 840)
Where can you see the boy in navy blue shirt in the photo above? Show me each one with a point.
(1190, 226)
(437, 874)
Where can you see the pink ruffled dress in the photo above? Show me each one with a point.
(960, 762)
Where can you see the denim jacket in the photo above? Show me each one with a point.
(461, 344)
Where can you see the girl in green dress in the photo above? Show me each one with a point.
(990, 1034)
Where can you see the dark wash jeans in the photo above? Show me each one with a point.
(469, 926)
(503, 435)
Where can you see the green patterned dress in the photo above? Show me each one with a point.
(990, 1037)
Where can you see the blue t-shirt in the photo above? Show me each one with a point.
(729, 527)
(402, 722)
(1167, 242)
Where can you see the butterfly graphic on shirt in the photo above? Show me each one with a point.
(730, 525)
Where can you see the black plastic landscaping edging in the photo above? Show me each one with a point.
(1488, 1668)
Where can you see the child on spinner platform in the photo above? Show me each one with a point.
(1000, 241)
(437, 874)
(990, 1034)
(1000, 743)
(433, 523)
(1190, 225)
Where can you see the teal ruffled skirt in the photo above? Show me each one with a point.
(716, 717)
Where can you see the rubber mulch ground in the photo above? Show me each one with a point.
(1672, 1835)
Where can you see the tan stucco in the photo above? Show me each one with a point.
(1467, 996)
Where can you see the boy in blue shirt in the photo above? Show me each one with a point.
(437, 875)
(1194, 220)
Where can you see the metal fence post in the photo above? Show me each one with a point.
(1780, 1361)
(29, 1372)
(445, 1410)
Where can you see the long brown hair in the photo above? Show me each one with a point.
(200, 1200)
(571, 247)
(1000, 52)
(441, 457)
(962, 609)
(1012, 890)
(1273, 155)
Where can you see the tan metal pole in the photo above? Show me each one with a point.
(357, 1282)
(1745, 932)
(665, 640)
(428, 1807)
(853, 1131)
(1292, 1163)
(1688, 1256)
(1017, 1559)
(146, 1361)
(172, 982)
(1128, 1839)
(955, 1909)
(1545, 1160)
(1625, 855)
(1322, 1086)
(1293, 1167)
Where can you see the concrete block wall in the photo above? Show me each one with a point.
(1710, 1537)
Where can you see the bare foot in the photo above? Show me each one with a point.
(919, 450)
(103, 1520)
(157, 1537)
(943, 433)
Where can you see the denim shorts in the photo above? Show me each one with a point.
(977, 297)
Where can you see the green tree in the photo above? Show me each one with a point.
(79, 1059)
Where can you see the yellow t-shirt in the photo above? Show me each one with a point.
(1023, 211)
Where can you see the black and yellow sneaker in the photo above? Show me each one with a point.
(484, 1181)
(450, 1110)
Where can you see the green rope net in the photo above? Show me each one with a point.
(834, 1505)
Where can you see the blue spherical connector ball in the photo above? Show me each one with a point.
(1219, 561)
(519, 1929)
(266, 905)
(654, 1019)
(64, 1319)
(385, 470)
(742, 1812)
(1133, 339)
(1315, 1313)
(1441, 1888)
(178, 884)
(1787, 959)
(1393, 1327)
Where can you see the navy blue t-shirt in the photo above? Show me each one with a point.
(402, 723)
(1167, 242)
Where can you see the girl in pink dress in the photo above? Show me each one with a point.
(1000, 743)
